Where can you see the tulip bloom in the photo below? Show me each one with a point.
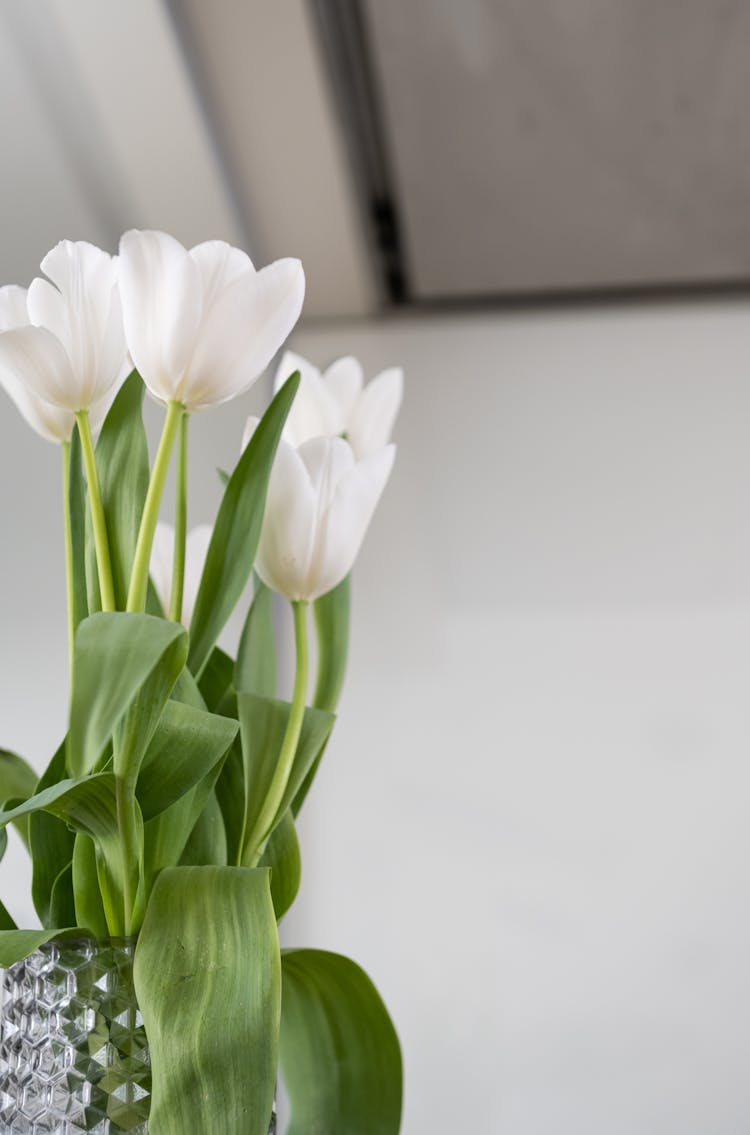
(203, 324)
(62, 346)
(162, 565)
(336, 403)
(320, 502)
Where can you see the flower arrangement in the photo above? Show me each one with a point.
(167, 815)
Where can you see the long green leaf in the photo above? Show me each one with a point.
(255, 669)
(234, 542)
(86, 895)
(331, 613)
(122, 462)
(51, 843)
(122, 661)
(207, 842)
(340, 1056)
(282, 855)
(62, 903)
(6, 921)
(77, 505)
(18, 944)
(208, 981)
(216, 679)
(263, 723)
(230, 792)
(186, 745)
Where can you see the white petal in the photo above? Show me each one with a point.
(13, 309)
(242, 332)
(38, 362)
(49, 421)
(371, 422)
(288, 525)
(82, 311)
(162, 560)
(344, 379)
(219, 264)
(196, 547)
(290, 362)
(161, 294)
(315, 411)
(348, 518)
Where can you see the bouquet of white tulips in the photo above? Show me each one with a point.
(167, 815)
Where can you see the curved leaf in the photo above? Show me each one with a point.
(17, 782)
(18, 944)
(62, 907)
(255, 669)
(340, 1056)
(208, 982)
(282, 855)
(234, 542)
(263, 723)
(207, 842)
(51, 843)
(123, 662)
(216, 679)
(86, 896)
(186, 745)
(123, 466)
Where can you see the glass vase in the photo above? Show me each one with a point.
(73, 1051)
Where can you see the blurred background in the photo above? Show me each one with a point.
(531, 827)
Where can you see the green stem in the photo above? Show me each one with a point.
(180, 525)
(126, 823)
(141, 562)
(69, 569)
(99, 523)
(259, 836)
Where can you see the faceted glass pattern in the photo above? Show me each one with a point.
(73, 1052)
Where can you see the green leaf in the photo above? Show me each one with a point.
(62, 904)
(216, 679)
(123, 465)
(77, 505)
(123, 662)
(17, 782)
(87, 898)
(186, 745)
(207, 842)
(6, 922)
(18, 944)
(186, 691)
(255, 669)
(51, 843)
(282, 855)
(208, 952)
(263, 723)
(340, 1056)
(234, 542)
(89, 805)
(331, 613)
(230, 793)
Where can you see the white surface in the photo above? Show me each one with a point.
(531, 825)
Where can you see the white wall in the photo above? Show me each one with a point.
(531, 825)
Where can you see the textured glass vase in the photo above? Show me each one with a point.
(73, 1051)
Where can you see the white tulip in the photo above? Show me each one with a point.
(162, 561)
(337, 403)
(203, 324)
(319, 505)
(62, 346)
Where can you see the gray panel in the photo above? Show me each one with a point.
(546, 144)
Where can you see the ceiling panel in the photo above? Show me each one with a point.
(540, 145)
